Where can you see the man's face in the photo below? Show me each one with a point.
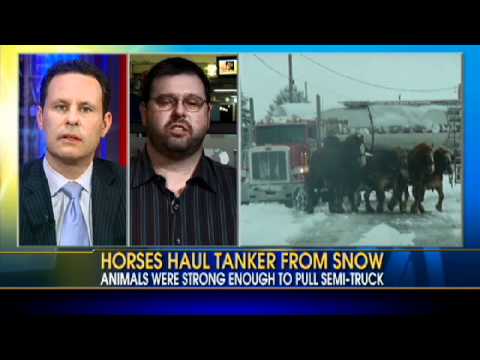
(73, 119)
(178, 132)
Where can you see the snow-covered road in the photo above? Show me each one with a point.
(272, 224)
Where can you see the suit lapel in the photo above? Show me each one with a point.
(105, 202)
(38, 205)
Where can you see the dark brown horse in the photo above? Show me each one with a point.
(386, 170)
(420, 168)
(442, 159)
(338, 168)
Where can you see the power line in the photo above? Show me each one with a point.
(269, 67)
(376, 85)
(299, 79)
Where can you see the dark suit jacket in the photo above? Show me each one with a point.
(37, 222)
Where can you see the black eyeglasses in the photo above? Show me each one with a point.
(192, 103)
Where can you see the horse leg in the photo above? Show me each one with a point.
(407, 196)
(312, 196)
(311, 202)
(331, 200)
(396, 197)
(441, 196)
(339, 199)
(366, 197)
(380, 198)
(414, 208)
(353, 203)
(393, 202)
(400, 189)
(422, 197)
(404, 202)
(340, 208)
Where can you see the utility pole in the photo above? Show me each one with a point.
(319, 122)
(252, 112)
(290, 79)
(251, 125)
(372, 128)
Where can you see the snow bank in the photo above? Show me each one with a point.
(271, 224)
(384, 235)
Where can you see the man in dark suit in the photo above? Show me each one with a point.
(68, 197)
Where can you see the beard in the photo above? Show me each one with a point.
(172, 146)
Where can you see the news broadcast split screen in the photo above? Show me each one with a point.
(119, 150)
(341, 149)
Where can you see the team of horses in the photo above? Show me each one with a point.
(344, 168)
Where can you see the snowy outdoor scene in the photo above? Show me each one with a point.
(321, 131)
(272, 224)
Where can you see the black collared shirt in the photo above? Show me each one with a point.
(204, 214)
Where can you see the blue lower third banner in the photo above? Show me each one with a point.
(277, 269)
(242, 268)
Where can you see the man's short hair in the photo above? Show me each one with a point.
(76, 67)
(171, 67)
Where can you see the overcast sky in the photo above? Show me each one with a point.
(263, 75)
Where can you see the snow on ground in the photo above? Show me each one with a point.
(271, 224)
(276, 225)
(378, 234)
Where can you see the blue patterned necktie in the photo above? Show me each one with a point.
(74, 230)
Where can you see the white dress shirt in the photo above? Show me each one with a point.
(60, 200)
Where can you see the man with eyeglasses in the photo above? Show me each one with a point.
(180, 197)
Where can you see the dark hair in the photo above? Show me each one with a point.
(77, 67)
(171, 67)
